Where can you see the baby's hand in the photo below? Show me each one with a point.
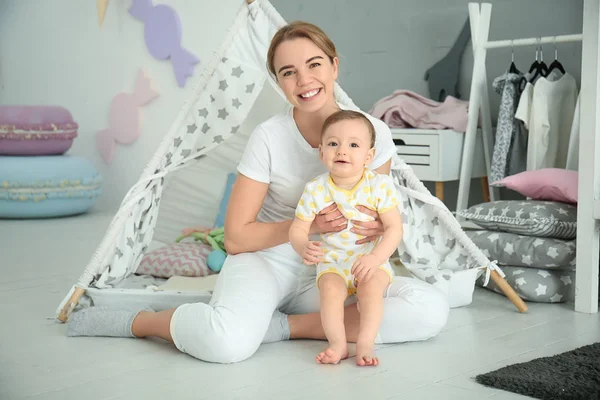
(312, 253)
(364, 267)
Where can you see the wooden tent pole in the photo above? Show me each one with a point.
(509, 291)
(70, 304)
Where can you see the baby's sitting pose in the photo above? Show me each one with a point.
(345, 268)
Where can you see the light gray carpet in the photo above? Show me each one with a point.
(571, 375)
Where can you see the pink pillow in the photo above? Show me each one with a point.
(553, 184)
(178, 259)
(36, 130)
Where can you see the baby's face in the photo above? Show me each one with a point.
(346, 148)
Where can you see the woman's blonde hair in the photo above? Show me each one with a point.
(296, 30)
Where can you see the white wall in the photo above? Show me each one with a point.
(52, 52)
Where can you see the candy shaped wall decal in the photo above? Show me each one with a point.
(101, 6)
(124, 118)
(162, 34)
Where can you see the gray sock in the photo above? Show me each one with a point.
(102, 321)
(279, 329)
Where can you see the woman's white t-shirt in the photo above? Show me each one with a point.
(278, 154)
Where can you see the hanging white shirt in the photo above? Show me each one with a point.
(547, 109)
(573, 153)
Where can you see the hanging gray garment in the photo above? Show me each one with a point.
(510, 145)
(517, 156)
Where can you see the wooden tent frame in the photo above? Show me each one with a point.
(78, 291)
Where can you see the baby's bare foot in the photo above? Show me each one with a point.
(333, 354)
(365, 355)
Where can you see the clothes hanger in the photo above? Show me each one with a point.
(513, 68)
(556, 64)
(522, 82)
(543, 66)
(533, 69)
(535, 65)
(538, 68)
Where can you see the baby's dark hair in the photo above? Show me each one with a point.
(344, 115)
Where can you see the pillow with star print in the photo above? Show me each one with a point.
(526, 217)
(524, 251)
(536, 284)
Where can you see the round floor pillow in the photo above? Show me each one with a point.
(47, 186)
(36, 130)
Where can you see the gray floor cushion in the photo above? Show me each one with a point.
(536, 284)
(525, 251)
(526, 217)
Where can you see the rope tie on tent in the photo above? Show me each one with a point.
(493, 265)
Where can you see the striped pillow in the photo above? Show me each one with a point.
(530, 217)
(177, 259)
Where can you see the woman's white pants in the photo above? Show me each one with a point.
(251, 286)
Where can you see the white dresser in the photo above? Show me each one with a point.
(435, 156)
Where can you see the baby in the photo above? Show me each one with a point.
(345, 268)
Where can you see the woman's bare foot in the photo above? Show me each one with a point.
(333, 354)
(365, 355)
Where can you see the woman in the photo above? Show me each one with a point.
(264, 292)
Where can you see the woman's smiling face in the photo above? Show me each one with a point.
(305, 74)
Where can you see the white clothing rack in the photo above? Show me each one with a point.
(533, 41)
(588, 228)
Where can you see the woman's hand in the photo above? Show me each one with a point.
(371, 230)
(329, 219)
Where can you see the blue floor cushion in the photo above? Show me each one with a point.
(47, 186)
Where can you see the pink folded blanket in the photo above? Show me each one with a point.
(407, 109)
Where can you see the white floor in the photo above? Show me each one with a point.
(42, 259)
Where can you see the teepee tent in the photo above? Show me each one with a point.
(234, 94)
